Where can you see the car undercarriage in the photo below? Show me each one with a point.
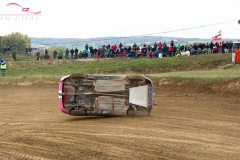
(85, 95)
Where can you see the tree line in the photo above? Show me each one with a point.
(16, 41)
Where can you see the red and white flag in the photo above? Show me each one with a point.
(217, 37)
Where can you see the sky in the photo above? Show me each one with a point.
(103, 18)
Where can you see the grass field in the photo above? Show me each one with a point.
(29, 67)
(229, 71)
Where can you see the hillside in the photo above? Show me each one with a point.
(27, 67)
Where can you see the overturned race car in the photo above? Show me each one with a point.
(106, 95)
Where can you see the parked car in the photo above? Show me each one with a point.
(106, 95)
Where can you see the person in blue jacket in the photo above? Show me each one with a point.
(3, 67)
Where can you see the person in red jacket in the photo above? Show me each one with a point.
(160, 45)
(170, 51)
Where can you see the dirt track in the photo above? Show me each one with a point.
(186, 124)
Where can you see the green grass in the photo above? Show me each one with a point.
(231, 71)
(29, 67)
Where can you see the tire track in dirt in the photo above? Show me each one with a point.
(193, 125)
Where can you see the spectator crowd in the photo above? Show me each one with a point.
(157, 50)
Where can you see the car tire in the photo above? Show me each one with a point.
(135, 78)
(78, 75)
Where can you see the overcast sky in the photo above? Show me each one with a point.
(102, 18)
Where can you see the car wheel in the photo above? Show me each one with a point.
(78, 75)
(135, 78)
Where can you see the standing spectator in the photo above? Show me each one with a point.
(155, 46)
(72, 52)
(160, 45)
(149, 48)
(190, 46)
(217, 45)
(3, 67)
(178, 48)
(14, 55)
(170, 51)
(220, 47)
(91, 51)
(8, 51)
(115, 47)
(61, 53)
(120, 45)
(200, 45)
(174, 50)
(46, 52)
(211, 45)
(186, 48)
(230, 46)
(182, 48)
(144, 51)
(164, 44)
(135, 46)
(67, 54)
(86, 47)
(95, 52)
(102, 50)
(76, 50)
(54, 54)
(30, 50)
(237, 53)
(172, 43)
(4, 50)
(144, 45)
(38, 55)
(227, 45)
(203, 46)
(195, 46)
(208, 48)
(224, 46)
(76, 55)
